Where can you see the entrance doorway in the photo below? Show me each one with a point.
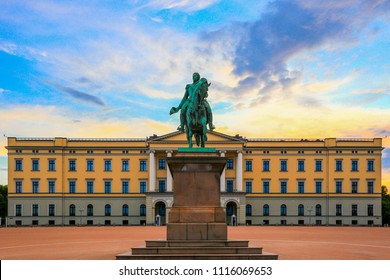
(231, 209)
(160, 209)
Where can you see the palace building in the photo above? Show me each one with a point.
(73, 181)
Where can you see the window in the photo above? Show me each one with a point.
(354, 165)
(142, 165)
(339, 186)
(370, 210)
(161, 185)
(52, 186)
(125, 165)
(370, 165)
(354, 210)
(283, 165)
(161, 163)
(370, 186)
(142, 186)
(18, 210)
(318, 210)
(248, 210)
(339, 165)
(301, 165)
(301, 186)
(229, 164)
(125, 210)
(107, 186)
(18, 165)
(142, 210)
(265, 186)
(90, 186)
(354, 186)
(125, 186)
(338, 210)
(266, 165)
(107, 210)
(72, 186)
(248, 186)
(90, 210)
(318, 165)
(72, 165)
(266, 210)
(301, 210)
(52, 165)
(283, 210)
(90, 165)
(318, 186)
(72, 210)
(229, 185)
(35, 186)
(35, 210)
(35, 165)
(283, 186)
(52, 210)
(18, 186)
(107, 165)
(248, 165)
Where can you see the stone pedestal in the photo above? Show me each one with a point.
(197, 228)
(196, 213)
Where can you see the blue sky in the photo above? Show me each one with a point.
(114, 68)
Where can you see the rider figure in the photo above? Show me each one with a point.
(185, 101)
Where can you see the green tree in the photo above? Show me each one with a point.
(385, 206)
(3, 202)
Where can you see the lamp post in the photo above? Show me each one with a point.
(81, 215)
(310, 210)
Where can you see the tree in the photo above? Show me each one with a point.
(3, 202)
(385, 206)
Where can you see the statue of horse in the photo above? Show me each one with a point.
(196, 115)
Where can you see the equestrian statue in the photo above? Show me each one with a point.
(195, 111)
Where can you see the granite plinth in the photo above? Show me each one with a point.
(197, 228)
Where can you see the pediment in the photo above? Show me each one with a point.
(213, 136)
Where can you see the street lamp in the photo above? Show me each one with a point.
(310, 210)
(81, 215)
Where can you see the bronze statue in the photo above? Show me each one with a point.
(195, 111)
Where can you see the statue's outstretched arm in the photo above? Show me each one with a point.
(183, 100)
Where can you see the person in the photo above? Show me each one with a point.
(185, 101)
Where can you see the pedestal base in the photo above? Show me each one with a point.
(197, 250)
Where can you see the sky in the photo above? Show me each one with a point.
(278, 69)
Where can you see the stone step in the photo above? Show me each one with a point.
(195, 250)
(264, 256)
(203, 243)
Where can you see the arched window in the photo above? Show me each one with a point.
(318, 210)
(125, 210)
(90, 210)
(283, 210)
(249, 210)
(107, 210)
(266, 210)
(72, 210)
(142, 210)
(301, 210)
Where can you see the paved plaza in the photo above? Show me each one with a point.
(104, 243)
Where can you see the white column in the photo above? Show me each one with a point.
(222, 182)
(239, 172)
(169, 174)
(152, 172)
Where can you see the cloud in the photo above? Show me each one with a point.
(181, 5)
(85, 97)
(4, 91)
(290, 28)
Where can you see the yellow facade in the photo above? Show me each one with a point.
(59, 180)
